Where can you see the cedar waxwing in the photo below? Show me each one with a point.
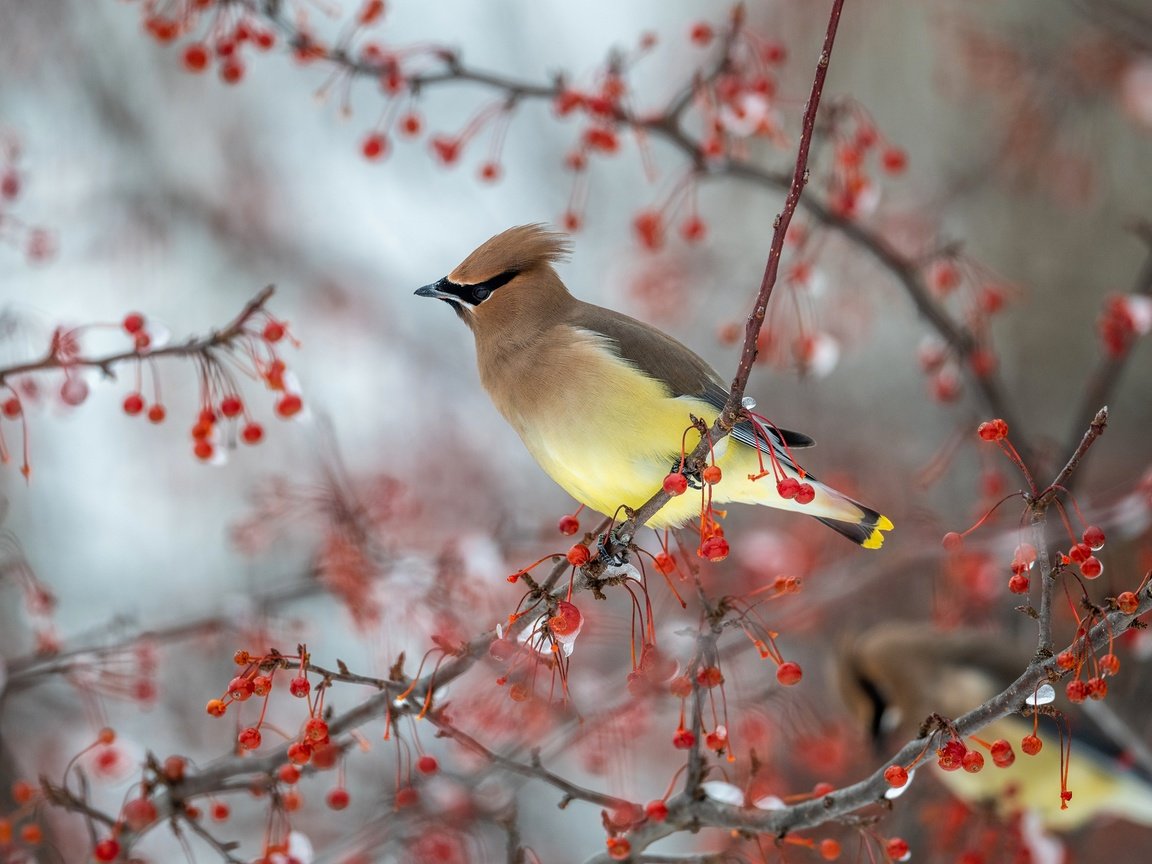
(602, 400)
(894, 676)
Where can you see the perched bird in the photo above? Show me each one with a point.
(602, 400)
(895, 675)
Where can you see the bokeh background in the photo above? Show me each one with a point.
(1028, 128)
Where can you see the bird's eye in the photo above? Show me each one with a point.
(480, 293)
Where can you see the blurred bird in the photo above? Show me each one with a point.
(602, 401)
(894, 676)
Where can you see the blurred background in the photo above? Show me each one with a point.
(1028, 134)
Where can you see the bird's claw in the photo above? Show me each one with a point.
(604, 545)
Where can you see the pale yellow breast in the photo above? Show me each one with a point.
(604, 431)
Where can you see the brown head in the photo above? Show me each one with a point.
(508, 282)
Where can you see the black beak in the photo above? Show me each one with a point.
(434, 290)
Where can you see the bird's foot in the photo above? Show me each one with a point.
(605, 543)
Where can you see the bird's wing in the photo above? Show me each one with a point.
(676, 366)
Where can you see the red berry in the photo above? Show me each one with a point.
(299, 752)
(133, 322)
(107, 849)
(338, 798)
(427, 764)
(714, 549)
(894, 160)
(133, 404)
(665, 563)
(230, 406)
(157, 413)
(299, 687)
(410, 124)
(619, 848)
(675, 484)
(490, 172)
(231, 70)
(1019, 584)
(711, 475)
(407, 797)
(568, 525)
(1091, 567)
(288, 774)
(568, 619)
(139, 813)
(656, 810)
(992, 430)
(289, 405)
(701, 33)
(221, 811)
(579, 555)
(447, 150)
(1127, 603)
(1110, 664)
(789, 673)
(1076, 690)
(805, 493)
(1031, 745)
(203, 450)
(1079, 553)
(249, 738)
(952, 541)
(693, 229)
(683, 739)
(649, 228)
(1002, 753)
(252, 433)
(374, 146)
(788, 487)
(240, 688)
(11, 408)
(216, 707)
(896, 849)
(896, 776)
(316, 729)
(950, 757)
(196, 57)
(709, 677)
(9, 185)
(973, 761)
(829, 849)
(1097, 688)
(1094, 537)
(1065, 660)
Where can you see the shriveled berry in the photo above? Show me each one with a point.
(316, 729)
(568, 619)
(216, 707)
(709, 677)
(619, 848)
(299, 687)
(1110, 664)
(1076, 690)
(1127, 603)
(993, 430)
(683, 739)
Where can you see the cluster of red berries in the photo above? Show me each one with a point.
(1081, 553)
(39, 243)
(852, 191)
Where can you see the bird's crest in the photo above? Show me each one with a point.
(519, 249)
